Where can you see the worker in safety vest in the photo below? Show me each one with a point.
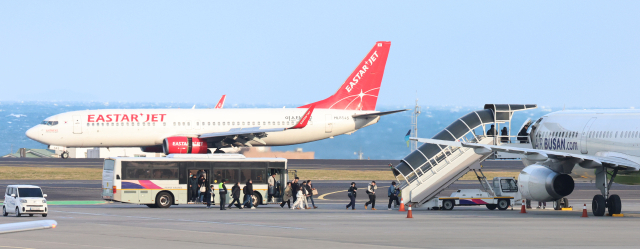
(222, 190)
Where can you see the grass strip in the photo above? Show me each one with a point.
(42, 173)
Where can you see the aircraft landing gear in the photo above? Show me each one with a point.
(560, 204)
(64, 155)
(605, 201)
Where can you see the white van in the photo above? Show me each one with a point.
(24, 199)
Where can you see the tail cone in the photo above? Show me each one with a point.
(409, 214)
(584, 211)
(402, 205)
(523, 210)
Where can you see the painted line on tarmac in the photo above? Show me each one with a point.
(183, 220)
(321, 197)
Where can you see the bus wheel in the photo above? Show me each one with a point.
(256, 199)
(163, 200)
(503, 204)
(152, 205)
(492, 206)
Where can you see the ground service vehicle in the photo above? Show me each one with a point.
(24, 199)
(501, 193)
(162, 182)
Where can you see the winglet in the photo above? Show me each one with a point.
(221, 102)
(305, 118)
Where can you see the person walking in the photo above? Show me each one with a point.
(393, 194)
(352, 196)
(305, 194)
(207, 195)
(298, 203)
(310, 190)
(222, 190)
(272, 186)
(287, 196)
(248, 193)
(235, 194)
(294, 188)
(371, 191)
(193, 187)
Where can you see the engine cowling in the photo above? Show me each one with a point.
(184, 145)
(540, 183)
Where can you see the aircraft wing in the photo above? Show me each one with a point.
(221, 102)
(376, 114)
(255, 133)
(27, 226)
(585, 161)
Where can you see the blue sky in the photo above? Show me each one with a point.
(553, 53)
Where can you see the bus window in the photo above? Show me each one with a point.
(149, 171)
(230, 174)
(256, 175)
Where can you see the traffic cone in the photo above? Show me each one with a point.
(584, 211)
(409, 214)
(523, 210)
(401, 205)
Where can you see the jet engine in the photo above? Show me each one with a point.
(184, 145)
(540, 183)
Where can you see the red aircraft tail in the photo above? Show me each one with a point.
(360, 90)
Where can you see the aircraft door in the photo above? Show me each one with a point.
(77, 124)
(585, 132)
(329, 123)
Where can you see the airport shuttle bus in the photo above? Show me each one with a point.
(162, 182)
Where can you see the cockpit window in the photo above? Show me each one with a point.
(49, 123)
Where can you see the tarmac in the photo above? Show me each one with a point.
(85, 221)
(329, 226)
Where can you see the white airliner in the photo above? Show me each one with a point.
(606, 142)
(351, 108)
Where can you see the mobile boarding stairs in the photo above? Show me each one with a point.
(430, 169)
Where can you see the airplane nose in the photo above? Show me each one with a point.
(32, 133)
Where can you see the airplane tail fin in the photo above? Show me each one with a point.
(360, 90)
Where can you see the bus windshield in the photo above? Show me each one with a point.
(30, 192)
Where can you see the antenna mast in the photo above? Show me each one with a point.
(414, 124)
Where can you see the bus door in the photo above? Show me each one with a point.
(281, 181)
(199, 170)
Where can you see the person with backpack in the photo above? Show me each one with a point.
(222, 190)
(393, 194)
(235, 194)
(248, 193)
(371, 191)
(352, 195)
(287, 196)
